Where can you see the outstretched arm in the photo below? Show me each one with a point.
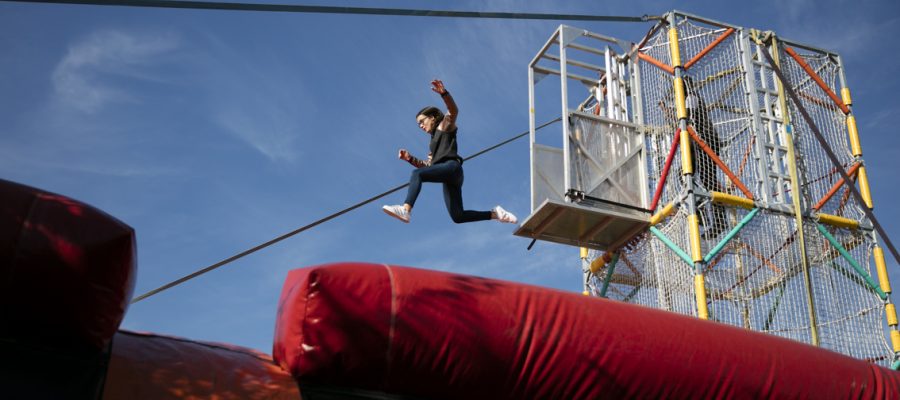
(415, 162)
(449, 121)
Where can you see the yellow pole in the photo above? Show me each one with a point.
(895, 339)
(837, 221)
(599, 262)
(687, 170)
(795, 196)
(694, 230)
(884, 282)
(891, 315)
(662, 214)
(732, 200)
(890, 312)
(700, 292)
(585, 266)
(864, 190)
(856, 148)
(881, 267)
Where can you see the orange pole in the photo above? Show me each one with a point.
(837, 186)
(659, 64)
(812, 74)
(709, 48)
(630, 266)
(844, 198)
(765, 262)
(813, 99)
(737, 182)
(714, 261)
(752, 252)
(746, 154)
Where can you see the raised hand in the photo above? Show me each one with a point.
(438, 86)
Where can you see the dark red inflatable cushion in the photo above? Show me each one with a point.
(351, 343)
(66, 269)
(149, 366)
(444, 336)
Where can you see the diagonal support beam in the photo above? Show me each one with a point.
(859, 270)
(672, 246)
(816, 78)
(656, 63)
(665, 174)
(734, 231)
(609, 272)
(837, 186)
(766, 261)
(709, 48)
(712, 154)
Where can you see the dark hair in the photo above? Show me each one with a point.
(432, 111)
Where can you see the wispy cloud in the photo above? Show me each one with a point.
(80, 80)
(14, 158)
(256, 99)
(274, 135)
(78, 124)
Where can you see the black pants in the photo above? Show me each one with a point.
(450, 173)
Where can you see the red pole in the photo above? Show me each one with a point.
(665, 173)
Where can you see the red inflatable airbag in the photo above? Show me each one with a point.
(148, 366)
(66, 269)
(443, 336)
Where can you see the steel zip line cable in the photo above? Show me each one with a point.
(312, 225)
(227, 6)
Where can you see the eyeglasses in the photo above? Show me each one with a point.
(421, 121)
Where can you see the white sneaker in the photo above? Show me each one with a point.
(504, 216)
(398, 212)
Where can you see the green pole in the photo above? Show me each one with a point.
(734, 231)
(874, 286)
(684, 256)
(609, 273)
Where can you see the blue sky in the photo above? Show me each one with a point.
(210, 132)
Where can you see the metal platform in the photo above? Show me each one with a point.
(599, 227)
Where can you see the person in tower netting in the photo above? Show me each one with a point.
(705, 169)
(443, 165)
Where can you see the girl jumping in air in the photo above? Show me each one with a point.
(443, 165)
